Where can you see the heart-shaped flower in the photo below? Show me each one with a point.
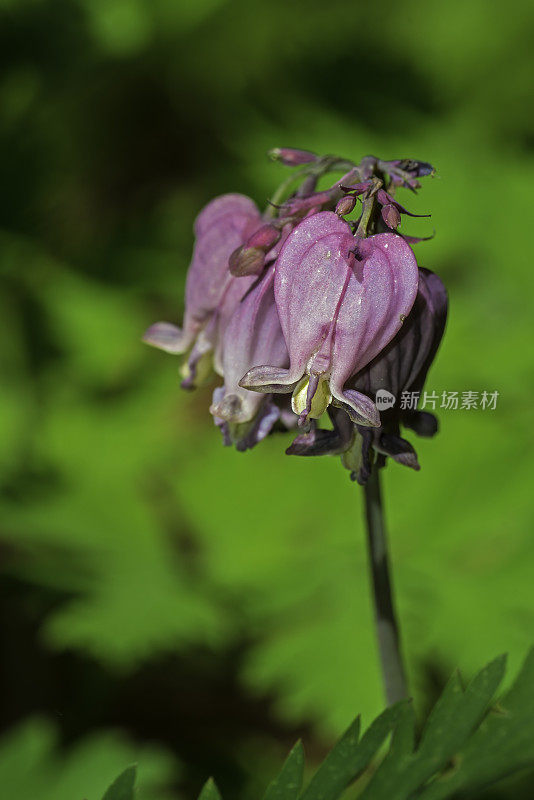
(211, 292)
(340, 300)
(401, 367)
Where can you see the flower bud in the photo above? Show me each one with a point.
(391, 215)
(300, 205)
(391, 209)
(346, 205)
(264, 238)
(404, 172)
(291, 157)
(356, 188)
(246, 261)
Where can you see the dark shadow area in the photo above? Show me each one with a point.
(192, 702)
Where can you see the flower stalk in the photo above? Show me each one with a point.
(387, 628)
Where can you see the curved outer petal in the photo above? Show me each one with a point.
(253, 335)
(237, 205)
(165, 336)
(235, 291)
(432, 323)
(404, 363)
(210, 338)
(222, 226)
(311, 273)
(378, 298)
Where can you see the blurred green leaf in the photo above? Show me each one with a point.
(287, 785)
(209, 791)
(36, 765)
(122, 787)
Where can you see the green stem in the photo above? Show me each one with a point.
(387, 629)
(283, 189)
(326, 164)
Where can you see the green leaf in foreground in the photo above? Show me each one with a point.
(350, 756)
(466, 744)
(287, 785)
(123, 787)
(209, 791)
(503, 744)
(453, 719)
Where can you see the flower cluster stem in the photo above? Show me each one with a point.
(387, 629)
(313, 171)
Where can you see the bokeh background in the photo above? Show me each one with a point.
(168, 601)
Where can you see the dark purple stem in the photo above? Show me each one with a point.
(393, 672)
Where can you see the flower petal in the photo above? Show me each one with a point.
(253, 335)
(360, 408)
(165, 336)
(398, 449)
(376, 301)
(319, 442)
(311, 272)
(404, 363)
(221, 227)
(270, 379)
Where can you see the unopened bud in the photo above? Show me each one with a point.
(246, 261)
(299, 205)
(404, 172)
(264, 238)
(391, 215)
(291, 157)
(356, 188)
(346, 205)
(384, 198)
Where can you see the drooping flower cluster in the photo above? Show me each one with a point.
(303, 312)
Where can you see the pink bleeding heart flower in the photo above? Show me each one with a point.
(253, 335)
(340, 300)
(211, 292)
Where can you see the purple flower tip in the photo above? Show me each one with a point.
(292, 157)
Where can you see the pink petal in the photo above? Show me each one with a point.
(377, 299)
(253, 336)
(311, 273)
(222, 226)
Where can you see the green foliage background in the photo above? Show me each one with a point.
(130, 538)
